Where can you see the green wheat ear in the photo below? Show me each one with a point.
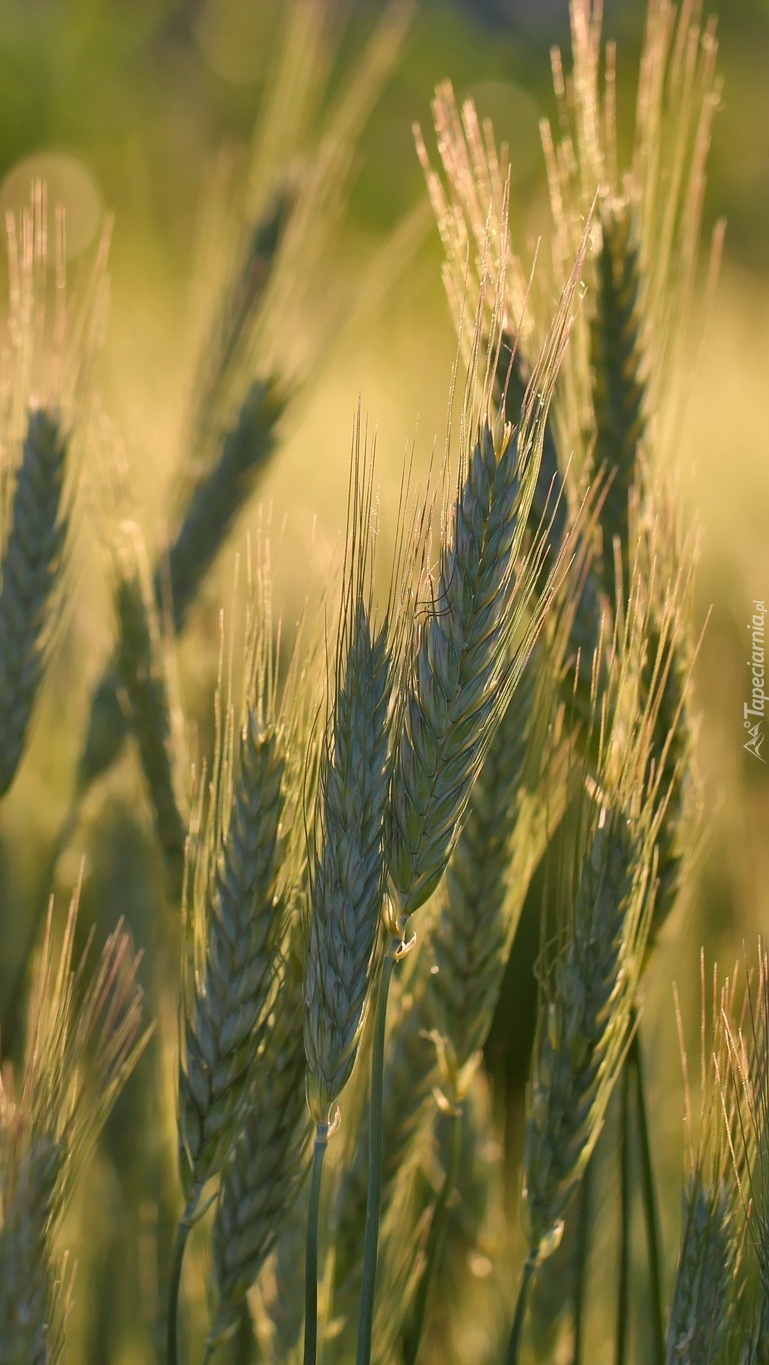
(619, 381)
(268, 1162)
(46, 372)
(244, 453)
(143, 671)
(84, 1037)
(237, 911)
(30, 570)
(347, 866)
(708, 1283)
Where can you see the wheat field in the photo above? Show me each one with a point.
(382, 599)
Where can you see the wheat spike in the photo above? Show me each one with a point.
(267, 1165)
(213, 504)
(142, 669)
(485, 887)
(702, 1296)
(619, 389)
(459, 677)
(587, 995)
(84, 1039)
(244, 927)
(31, 567)
(706, 1289)
(348, 877)
(240, 916)
(246, 449)
(30, 1171)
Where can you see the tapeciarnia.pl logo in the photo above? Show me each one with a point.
(753, 711)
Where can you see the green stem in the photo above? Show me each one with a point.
(182, 1233)
(311, 1265)
(435, 1241)
(516, 1335)
(626, 1195)
(374, 1197)
(649, 1198)
(582, 1252)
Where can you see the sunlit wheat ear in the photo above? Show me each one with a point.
(30, 568)
(268, 1162)
(45, 364)
(517, 801)
(31, 1325)
(207, 519)
(677, 97)
(745, 1084)
(143, 671)
(245, 451)
(707, 1285)
(347, 865)
(237, 909)
(84, 1037)
(589, 979)
(619, 382)
(228, 334)
(460, 673)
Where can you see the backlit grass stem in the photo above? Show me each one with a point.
(186, 1223)
(374, 1199)
(626, 1209)
(311, 1265)
(648, 1197)
(521, 1304)
(435, 1242)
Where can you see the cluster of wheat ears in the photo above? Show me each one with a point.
(349, 874)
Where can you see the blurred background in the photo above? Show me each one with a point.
(124, 108)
